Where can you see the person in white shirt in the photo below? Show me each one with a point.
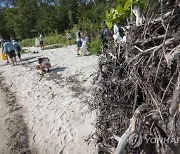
(78, 40)
(41, 39)
(43, 64)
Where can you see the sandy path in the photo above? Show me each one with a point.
(4, 134)
(56, 108)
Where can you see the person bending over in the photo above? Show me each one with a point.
(9, 49)
(43, 64)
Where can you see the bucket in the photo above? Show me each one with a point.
(3, 56)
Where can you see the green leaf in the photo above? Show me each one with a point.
(123, 2)
(109, 24)
(107, 14)
(120, 9)
(120, 1)
(112, 10)
(127, 5)
(114, 16)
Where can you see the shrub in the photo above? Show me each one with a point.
(53, 39)
(95, 46)
(27, 42)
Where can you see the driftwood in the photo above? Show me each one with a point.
(122, 142)
(144, 70)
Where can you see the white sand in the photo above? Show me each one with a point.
(4, 149)
(56, 110)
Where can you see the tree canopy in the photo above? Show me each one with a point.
(25, 18)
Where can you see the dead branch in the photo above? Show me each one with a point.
(145, 70)
(122, 142)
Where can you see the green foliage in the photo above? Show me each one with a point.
(3, 29)
(54, 39)
(27, 42)
(24, 19)
(122, 11)
(94, 46)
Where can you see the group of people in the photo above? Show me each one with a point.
(10, 47)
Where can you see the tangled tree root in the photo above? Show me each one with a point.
(144, 71)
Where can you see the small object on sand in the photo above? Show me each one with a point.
(42, 74)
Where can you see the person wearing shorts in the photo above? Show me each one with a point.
(41, 38)
(9, 49)
(78, 40)
(69, 37)
(17, 48)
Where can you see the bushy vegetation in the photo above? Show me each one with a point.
(27, 42)
(95, 46)
(58, 40)
(24, 20)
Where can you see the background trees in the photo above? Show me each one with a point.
(24, 19)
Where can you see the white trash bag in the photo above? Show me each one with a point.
(37, 42)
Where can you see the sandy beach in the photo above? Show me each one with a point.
(55, 109)
(4, 135)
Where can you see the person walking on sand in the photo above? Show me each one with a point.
(17, 48)
(69, 37)
(41, 39)
(78, 40)
(9, 49)
(2, 42)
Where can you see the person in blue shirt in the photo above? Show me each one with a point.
(17, 48)
(9, 49)
(2, 42)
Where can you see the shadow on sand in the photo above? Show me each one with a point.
(58, 69)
